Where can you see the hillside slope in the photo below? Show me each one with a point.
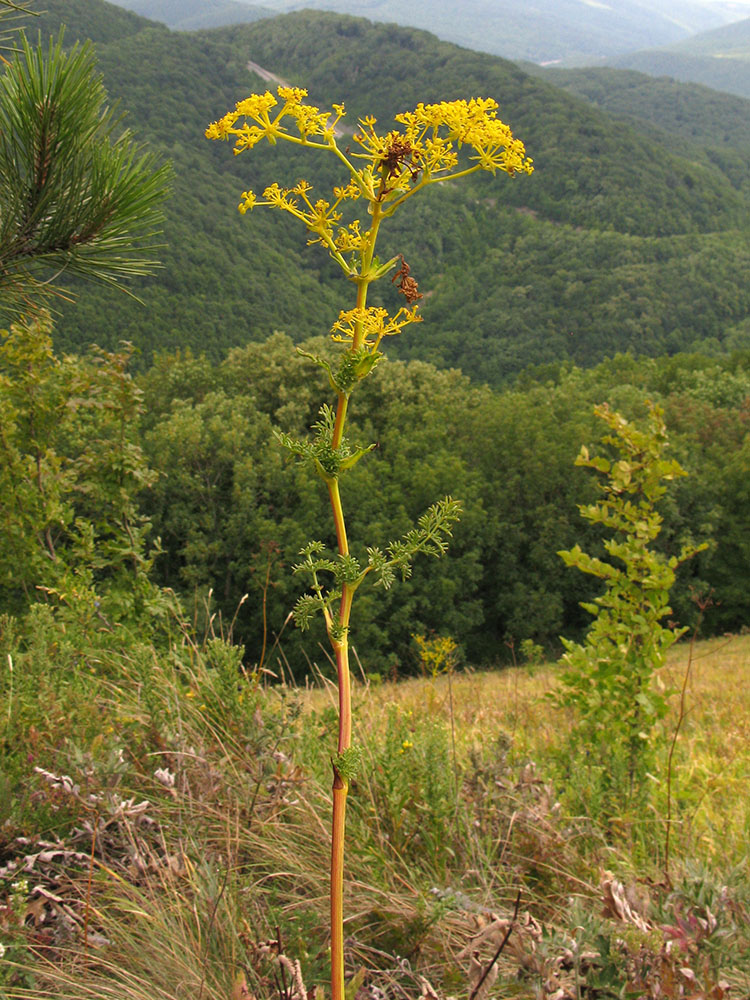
(730, 41)
(616, 242)
(719, 59)
(696, 121)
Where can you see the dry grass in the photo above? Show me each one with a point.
(240, 845)
(712, 759)
(712, 776)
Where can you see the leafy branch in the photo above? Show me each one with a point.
(430, 537)
(329, 461)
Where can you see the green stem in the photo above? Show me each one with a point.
(340, 785)
(338, 429)
(340, 644)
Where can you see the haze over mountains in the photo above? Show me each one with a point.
(719, 59)
(698, 41)
(564, 32)
(191, 15)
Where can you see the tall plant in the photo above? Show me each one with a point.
(609, 678)
(382, 173)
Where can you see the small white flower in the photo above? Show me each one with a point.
(2, 950)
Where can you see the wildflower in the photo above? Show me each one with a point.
(249, 200)
(247, 137)
(367, 327)
(309, 119)
(396, 165)
(351, 190)
(351, 238)
(223, 128)
(385, 170)
(292, 95)
(256, 106)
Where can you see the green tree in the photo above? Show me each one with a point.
(10, 13)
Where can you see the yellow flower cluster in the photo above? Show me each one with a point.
(320, 217)
(396, 164)
(472, 123)
(368, 326)
(352, 238)
(429, 144)
(438, 654)
(309, 120)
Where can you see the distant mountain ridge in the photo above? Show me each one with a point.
(192, 15)
(692, 111)
(719, 59)
(97, 20)
(728, 41)
(543, 31)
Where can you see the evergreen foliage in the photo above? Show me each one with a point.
(72, 197)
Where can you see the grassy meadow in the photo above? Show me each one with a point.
(173, 837)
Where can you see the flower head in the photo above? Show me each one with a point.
(425, 148)
(367, 327)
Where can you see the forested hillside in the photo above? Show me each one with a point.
(730, 41)
(623, 238)
(180, 481)
(707, 119)
(199, 527)
(96, 20)
(618, 241)
(227, 510)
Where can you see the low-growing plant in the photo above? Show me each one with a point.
(381, 172)
(410, 797)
